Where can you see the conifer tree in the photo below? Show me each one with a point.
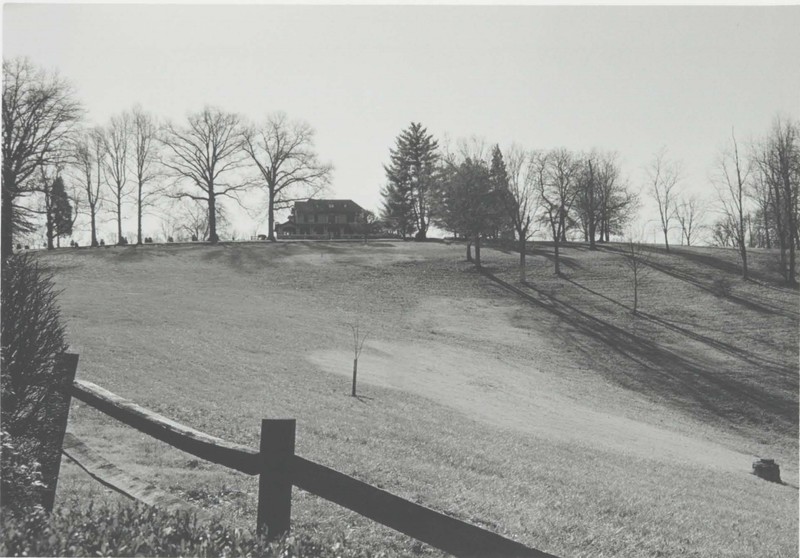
(411, 176)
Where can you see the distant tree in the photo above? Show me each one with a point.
(116, 138)
(663, 176)
(588, 197)
(62, 210)
(556, 175)
(145, 150)
(87, 158)
(283, 152)
(411, 180)
(690, 213)
(498, 175)
(617, 204)
(733, 185)
(722, 235)
(39, 116)
(471, 204)
(778, 161)
(520, 201)
(200, 153)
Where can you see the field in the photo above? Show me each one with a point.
(546, 411)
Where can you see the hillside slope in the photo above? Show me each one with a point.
(545, 410)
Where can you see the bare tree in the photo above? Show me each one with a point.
(637, 261)
(39, 115)
(556, 175)
(520, 201)
(283, 152)
(115, 166)
(664, 176)
(199, 153)
(358, 344)
(690, 213)
(778, 160)
(144, 135)
(733, 184)
(87, 158)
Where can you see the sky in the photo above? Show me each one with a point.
(628, 79)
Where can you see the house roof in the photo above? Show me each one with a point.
(325, 205)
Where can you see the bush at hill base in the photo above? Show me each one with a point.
(136, 530)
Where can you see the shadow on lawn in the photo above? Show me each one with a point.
(673, 271)
(764, 363)
(687, 382)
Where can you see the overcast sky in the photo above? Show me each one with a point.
(625, 79)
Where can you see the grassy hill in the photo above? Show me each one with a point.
(546, 411)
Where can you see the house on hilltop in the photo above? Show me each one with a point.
(328, 218)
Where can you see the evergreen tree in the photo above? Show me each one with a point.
(411, 176)
(498, 177)
(61, 209)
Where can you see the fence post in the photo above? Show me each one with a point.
(66, 364)
(275, 482)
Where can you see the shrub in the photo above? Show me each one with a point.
(128, 530)
(194, 238)
(32, 336)
(102, 242)
(148, 240)
(19, 246)
(123, 241)
(21, 475)
(170, 239)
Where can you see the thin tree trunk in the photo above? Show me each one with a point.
(6, 222)
(119, 216)
(139, 215)
(212, 218)
(271, 216)
(478, 250)
(469, 251)
(93, 213)
(666, 240)
(522, 249)
(555, 253)
(355, 374)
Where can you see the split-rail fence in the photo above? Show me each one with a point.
(279, 469)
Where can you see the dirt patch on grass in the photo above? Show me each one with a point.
(511, 395)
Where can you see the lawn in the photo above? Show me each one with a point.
(545, 411)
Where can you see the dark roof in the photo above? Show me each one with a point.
(325, 205)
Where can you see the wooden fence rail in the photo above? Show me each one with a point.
(279, 469)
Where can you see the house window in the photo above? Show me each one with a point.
(330, 206)
(331, 218)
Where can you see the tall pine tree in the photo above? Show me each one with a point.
(411, 176)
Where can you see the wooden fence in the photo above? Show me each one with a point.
(279, 469)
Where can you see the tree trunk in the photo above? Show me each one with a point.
(555, 253)
(478, 251)
(139, 215)
(743, 252)
(212, 218)
(93, 213)
(469, 251)
(7, 222)
(119, 216)
(271, 217)
(355, 374)
(49, 230)
(522, 249)
(635, 291)
(666, 240)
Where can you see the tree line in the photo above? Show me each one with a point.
(477, 193)
(55, 166)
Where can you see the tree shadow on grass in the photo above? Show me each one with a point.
(757, 306)
(770, 365)
(684, 381)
